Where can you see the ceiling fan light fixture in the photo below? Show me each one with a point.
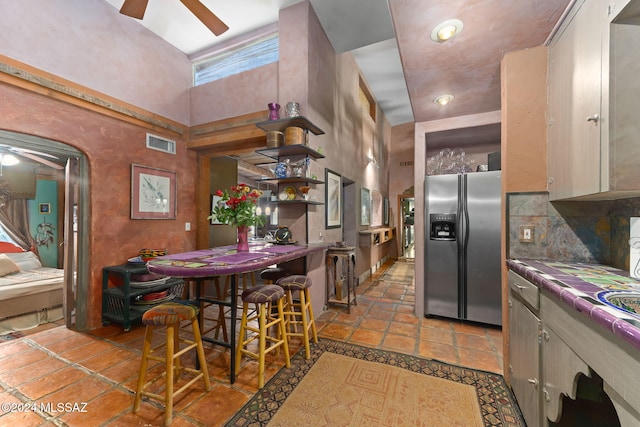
(8, 160)
(443, 99)
(446, 30)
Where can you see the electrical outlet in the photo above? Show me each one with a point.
(527, 233)
(187, 226)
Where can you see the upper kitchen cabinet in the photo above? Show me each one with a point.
(594, 93)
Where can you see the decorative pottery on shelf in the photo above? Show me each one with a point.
(274, 111)
(292, 109)
(305, 191)
(280, 170)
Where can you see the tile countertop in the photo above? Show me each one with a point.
(577, 286)
(225, 260)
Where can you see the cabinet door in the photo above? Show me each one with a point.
(624, 101)
(524, 348)
(561, 366)
(575, 83)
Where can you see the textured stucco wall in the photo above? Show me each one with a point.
(111, 146)
(90, 43)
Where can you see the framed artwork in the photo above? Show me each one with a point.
(385, 212)
(376, 208)
(153, 193)
(365, 206)
(44, 208)
(214, 201)
(333, 199)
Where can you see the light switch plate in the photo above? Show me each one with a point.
(527, 234)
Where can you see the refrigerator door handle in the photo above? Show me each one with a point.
(465, 214)
(461, 234)
(459, 218)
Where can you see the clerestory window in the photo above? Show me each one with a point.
(243, 58)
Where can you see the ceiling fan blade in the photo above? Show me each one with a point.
(207, 17)
(40, 160)
(19, 151)
(134, 8)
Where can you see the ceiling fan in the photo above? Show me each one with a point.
(36, 156)
(136, 9)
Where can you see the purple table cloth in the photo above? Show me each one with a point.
(225, 260)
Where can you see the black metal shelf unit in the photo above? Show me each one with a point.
(118, 302)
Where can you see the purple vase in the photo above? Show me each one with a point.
(274, 111)
(243, 238)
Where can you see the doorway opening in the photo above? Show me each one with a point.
(66, 173)
(406, 214)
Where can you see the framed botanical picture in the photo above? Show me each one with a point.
(44, 208)
(376, 208)
(365, 206)
(333, 199)
(214, 202)
(153, 193)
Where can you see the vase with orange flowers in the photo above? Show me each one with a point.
(237, 207)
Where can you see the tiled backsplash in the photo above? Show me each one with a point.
(594, 231)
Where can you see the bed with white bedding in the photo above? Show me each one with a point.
(27, 289)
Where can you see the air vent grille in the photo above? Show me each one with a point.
(161, 144)
(407, 163)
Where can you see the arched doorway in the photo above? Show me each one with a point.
(72, 178)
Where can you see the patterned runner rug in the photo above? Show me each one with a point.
(348, 385)
(11, 336)
(399, 272)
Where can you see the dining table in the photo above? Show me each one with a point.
(211, 263)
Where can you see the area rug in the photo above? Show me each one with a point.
(348, 385)
(11, 336)
(399, 272)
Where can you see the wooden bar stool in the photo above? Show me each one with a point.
(272, 274)
(264, 297)
(299, 313)
(170, 315)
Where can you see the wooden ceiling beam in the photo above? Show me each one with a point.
(232, 148)
(253, 169)
(235, 135)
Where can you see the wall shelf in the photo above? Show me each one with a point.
(290, 150)
(296, 202)
(376, 236)
(287, 151)
(281, 124)
(292, 179)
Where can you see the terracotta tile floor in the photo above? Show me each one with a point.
(87, 379)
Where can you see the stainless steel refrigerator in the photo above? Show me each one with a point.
(462, 247)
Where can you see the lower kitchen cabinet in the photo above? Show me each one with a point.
(524, 347)
(565, 370)
(561, 367)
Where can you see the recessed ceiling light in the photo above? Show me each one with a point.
(446, 30)
(443, 99)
